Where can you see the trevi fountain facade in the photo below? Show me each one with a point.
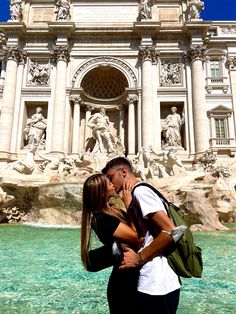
(85, 81)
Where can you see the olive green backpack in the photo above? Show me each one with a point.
(184, 257)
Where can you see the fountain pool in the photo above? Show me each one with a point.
(41, 272)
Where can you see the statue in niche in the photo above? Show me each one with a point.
(63, 10)
(171, 129)
(145, 10)
(16, 10)
(194, 8)
(170, 73)
(39, 75)
(100, 125)
(35, 130)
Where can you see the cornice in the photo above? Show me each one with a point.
(149, 26)
(61, 27)
(13, 28)
(197, 27)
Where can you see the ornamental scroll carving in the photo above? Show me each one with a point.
(193, 53)
(2, 39)
(228, 30)
(171, 73)
(148, 53)
(15, 53)
(232, 63)
(61, 53)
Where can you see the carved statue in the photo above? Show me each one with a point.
(39, 74)
(145, 11)
(16, 10)
(142, 161)
(149, 164)
(205, 160)
(194, 8)
(34, 132)
(25, 165)
(171, 129)
(170, 73)
(63, 10)
(100, 125)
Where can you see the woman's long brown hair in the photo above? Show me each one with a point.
(94, 200)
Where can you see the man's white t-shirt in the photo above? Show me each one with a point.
(156, 276)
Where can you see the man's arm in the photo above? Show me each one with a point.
(156, 247)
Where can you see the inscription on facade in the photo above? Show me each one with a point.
(169, 15)
(108, 13)
(41, 15)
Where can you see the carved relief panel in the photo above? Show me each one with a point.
(171, 73)
(38, 73)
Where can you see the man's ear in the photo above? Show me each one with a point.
(124, 172)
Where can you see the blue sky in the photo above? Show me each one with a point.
(216, 10)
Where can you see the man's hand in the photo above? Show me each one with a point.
(130, 259)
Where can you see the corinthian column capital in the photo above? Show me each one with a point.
(15, 53)
(61, 53)
(232, 63)
(132, 99)
(76, 100)
(148, 53)
(195, 53)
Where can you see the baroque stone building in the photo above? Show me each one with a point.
(162, 76)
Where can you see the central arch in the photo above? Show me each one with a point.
(105, 62)
(104, 82)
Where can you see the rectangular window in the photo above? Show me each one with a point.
(220, 128)
(215, 68)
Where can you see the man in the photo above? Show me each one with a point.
(158, 286)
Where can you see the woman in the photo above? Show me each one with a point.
(110, 223)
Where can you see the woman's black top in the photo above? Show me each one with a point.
(122, 286)
(105, 225)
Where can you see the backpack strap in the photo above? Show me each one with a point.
(164, 200)
(142, 225)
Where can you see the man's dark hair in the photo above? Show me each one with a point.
(118, 161)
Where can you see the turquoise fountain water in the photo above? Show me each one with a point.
(41, 272)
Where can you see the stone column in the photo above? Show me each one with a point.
(87, 130)
(131, 125)
(156, 106)
(122, 124)
(76, 126)
(147, 54)
(196, 55)
(232, 68)
(13, 56)
(139, 119)
(61, 55)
